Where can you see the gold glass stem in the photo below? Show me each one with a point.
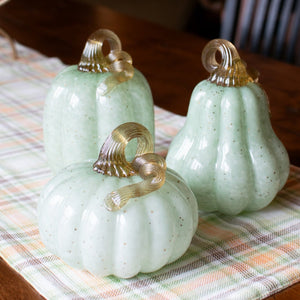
(117, 62)
(231, 71)
(112, 161)
(151, 168)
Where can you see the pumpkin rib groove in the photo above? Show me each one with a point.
(75, 202)
(207, 110)
(64, 112)
(278, 150)
(66, 215)
(207, 134)
(245, 145)
(85, 214)
(173, 208)
(174, 251)
(129, 239)
(82, 206)
(115, 244)
(231, 181)
(146, 268)
(172, 211)
(51, 113)
(259, 147)
(147, 238)
(178, 212)
(218, 130)
(244, 129)
(262, 154)
(111, 264)
(185, 190)
(79, 108)
(159, 213)
(95, 232)
(275, 143)
(248, 140)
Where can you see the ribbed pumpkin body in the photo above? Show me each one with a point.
(77, 118)
(227, 150)
(143, 236)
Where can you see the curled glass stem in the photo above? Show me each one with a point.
(151, 168)
(117, 62)
(231, 71)
(112, 161)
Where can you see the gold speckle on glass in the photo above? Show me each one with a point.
(148, 165)
(231, 71)
(117, 62)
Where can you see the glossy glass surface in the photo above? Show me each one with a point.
(78, 119)
(227, 151)
(143, 236)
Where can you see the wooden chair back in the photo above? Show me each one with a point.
(270, 27)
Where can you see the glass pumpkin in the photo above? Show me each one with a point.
(227, 150)
(86, 102)
(105, 219)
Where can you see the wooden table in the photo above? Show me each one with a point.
(171, 61)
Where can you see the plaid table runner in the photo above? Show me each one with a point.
(249, 256)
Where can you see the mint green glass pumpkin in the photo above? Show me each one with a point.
(86, 102)
(227, 150)
(112, 222)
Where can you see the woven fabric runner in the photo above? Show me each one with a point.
(249, 256)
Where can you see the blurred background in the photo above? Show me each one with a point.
(270, 27)
(197, 16)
